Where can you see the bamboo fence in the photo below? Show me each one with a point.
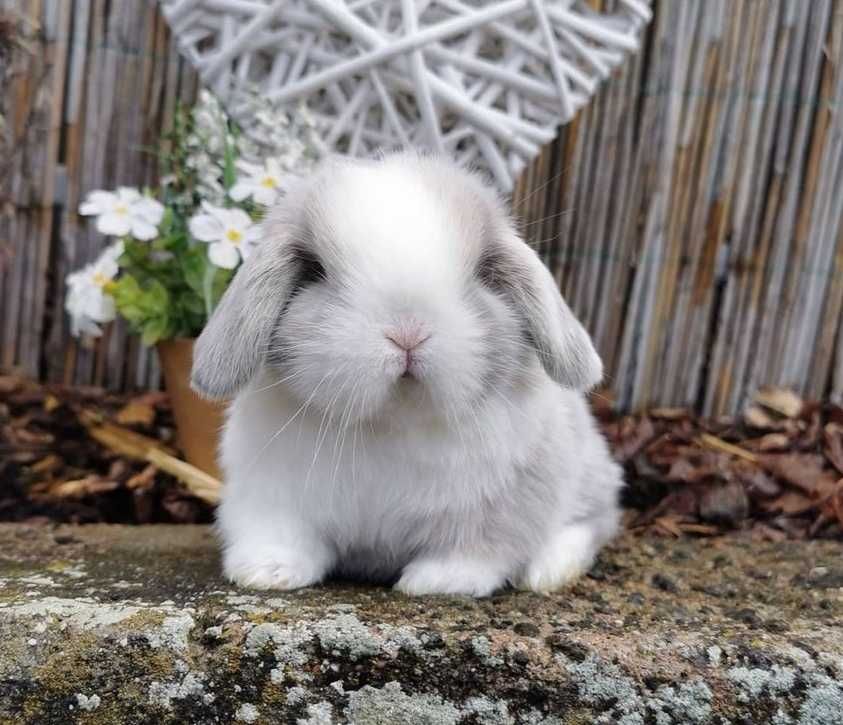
(693, 213)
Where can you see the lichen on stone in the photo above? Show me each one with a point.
(289, 643)
(755, 681)
(390, 705)
(823, 703)
(173, 632)
(605, 685)
(689, 702)
(482, 647)
(488, 711)
(88, 703)
(247, 713)
(296, 695)
(322, 713)
(346, 634)
(601, 683)
(162, 694)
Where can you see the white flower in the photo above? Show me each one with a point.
(230, 232)
(124, 212)
(87, 302)
(262, 183)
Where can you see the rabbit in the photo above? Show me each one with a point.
(407, 393)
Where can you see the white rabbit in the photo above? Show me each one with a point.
(408, 393)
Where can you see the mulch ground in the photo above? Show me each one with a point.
(775, 472)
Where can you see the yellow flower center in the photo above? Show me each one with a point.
(268, 182)
(234, 236)
(121, 209)
(100, 280)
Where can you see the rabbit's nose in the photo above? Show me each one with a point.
(407, 339)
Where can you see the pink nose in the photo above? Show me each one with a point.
(406, 338)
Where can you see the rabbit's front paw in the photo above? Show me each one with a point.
(276, 570)
(450, 576)
(568, 555)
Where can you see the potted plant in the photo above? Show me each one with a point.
(174, 253)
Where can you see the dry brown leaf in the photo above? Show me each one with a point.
(136, 413)
(669, 525)
(24, 437)
(780, 400)
(669, 413)
(756, 417)
(833, 434)
(10, 384)
(771, 442)
(631, 436)
(805, 471)
(49, 464)
(791, 503)
(684, 471)
(701, 529)
(757, 482)
(51, 402)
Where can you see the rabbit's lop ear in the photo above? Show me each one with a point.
(561, 342)
(235, 341)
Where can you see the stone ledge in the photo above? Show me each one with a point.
(107, 624)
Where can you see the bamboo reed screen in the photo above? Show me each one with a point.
(692, 214)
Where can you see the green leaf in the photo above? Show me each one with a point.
(154, 330)
(193, 263)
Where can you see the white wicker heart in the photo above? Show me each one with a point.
(486, 80)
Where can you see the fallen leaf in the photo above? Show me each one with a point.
(684, 471)
(757, 482)
(136, 412)
(632, 435)
(792, 503)
(669, 525)
(51, 402)
(669, 413)
(780, 400)
(10, 384)
(770, 442)
(832, 505)
(25, 437)
(833, 435)
(48, 464)
(701, 529)
(805, 471)
(755, 417)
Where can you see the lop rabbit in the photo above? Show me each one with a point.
(408, 393)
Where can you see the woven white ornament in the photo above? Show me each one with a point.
(487, 81)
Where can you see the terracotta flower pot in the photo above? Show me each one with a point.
(198, 421)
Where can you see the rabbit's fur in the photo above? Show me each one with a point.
(471, 461)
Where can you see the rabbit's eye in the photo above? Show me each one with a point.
(310, 270)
